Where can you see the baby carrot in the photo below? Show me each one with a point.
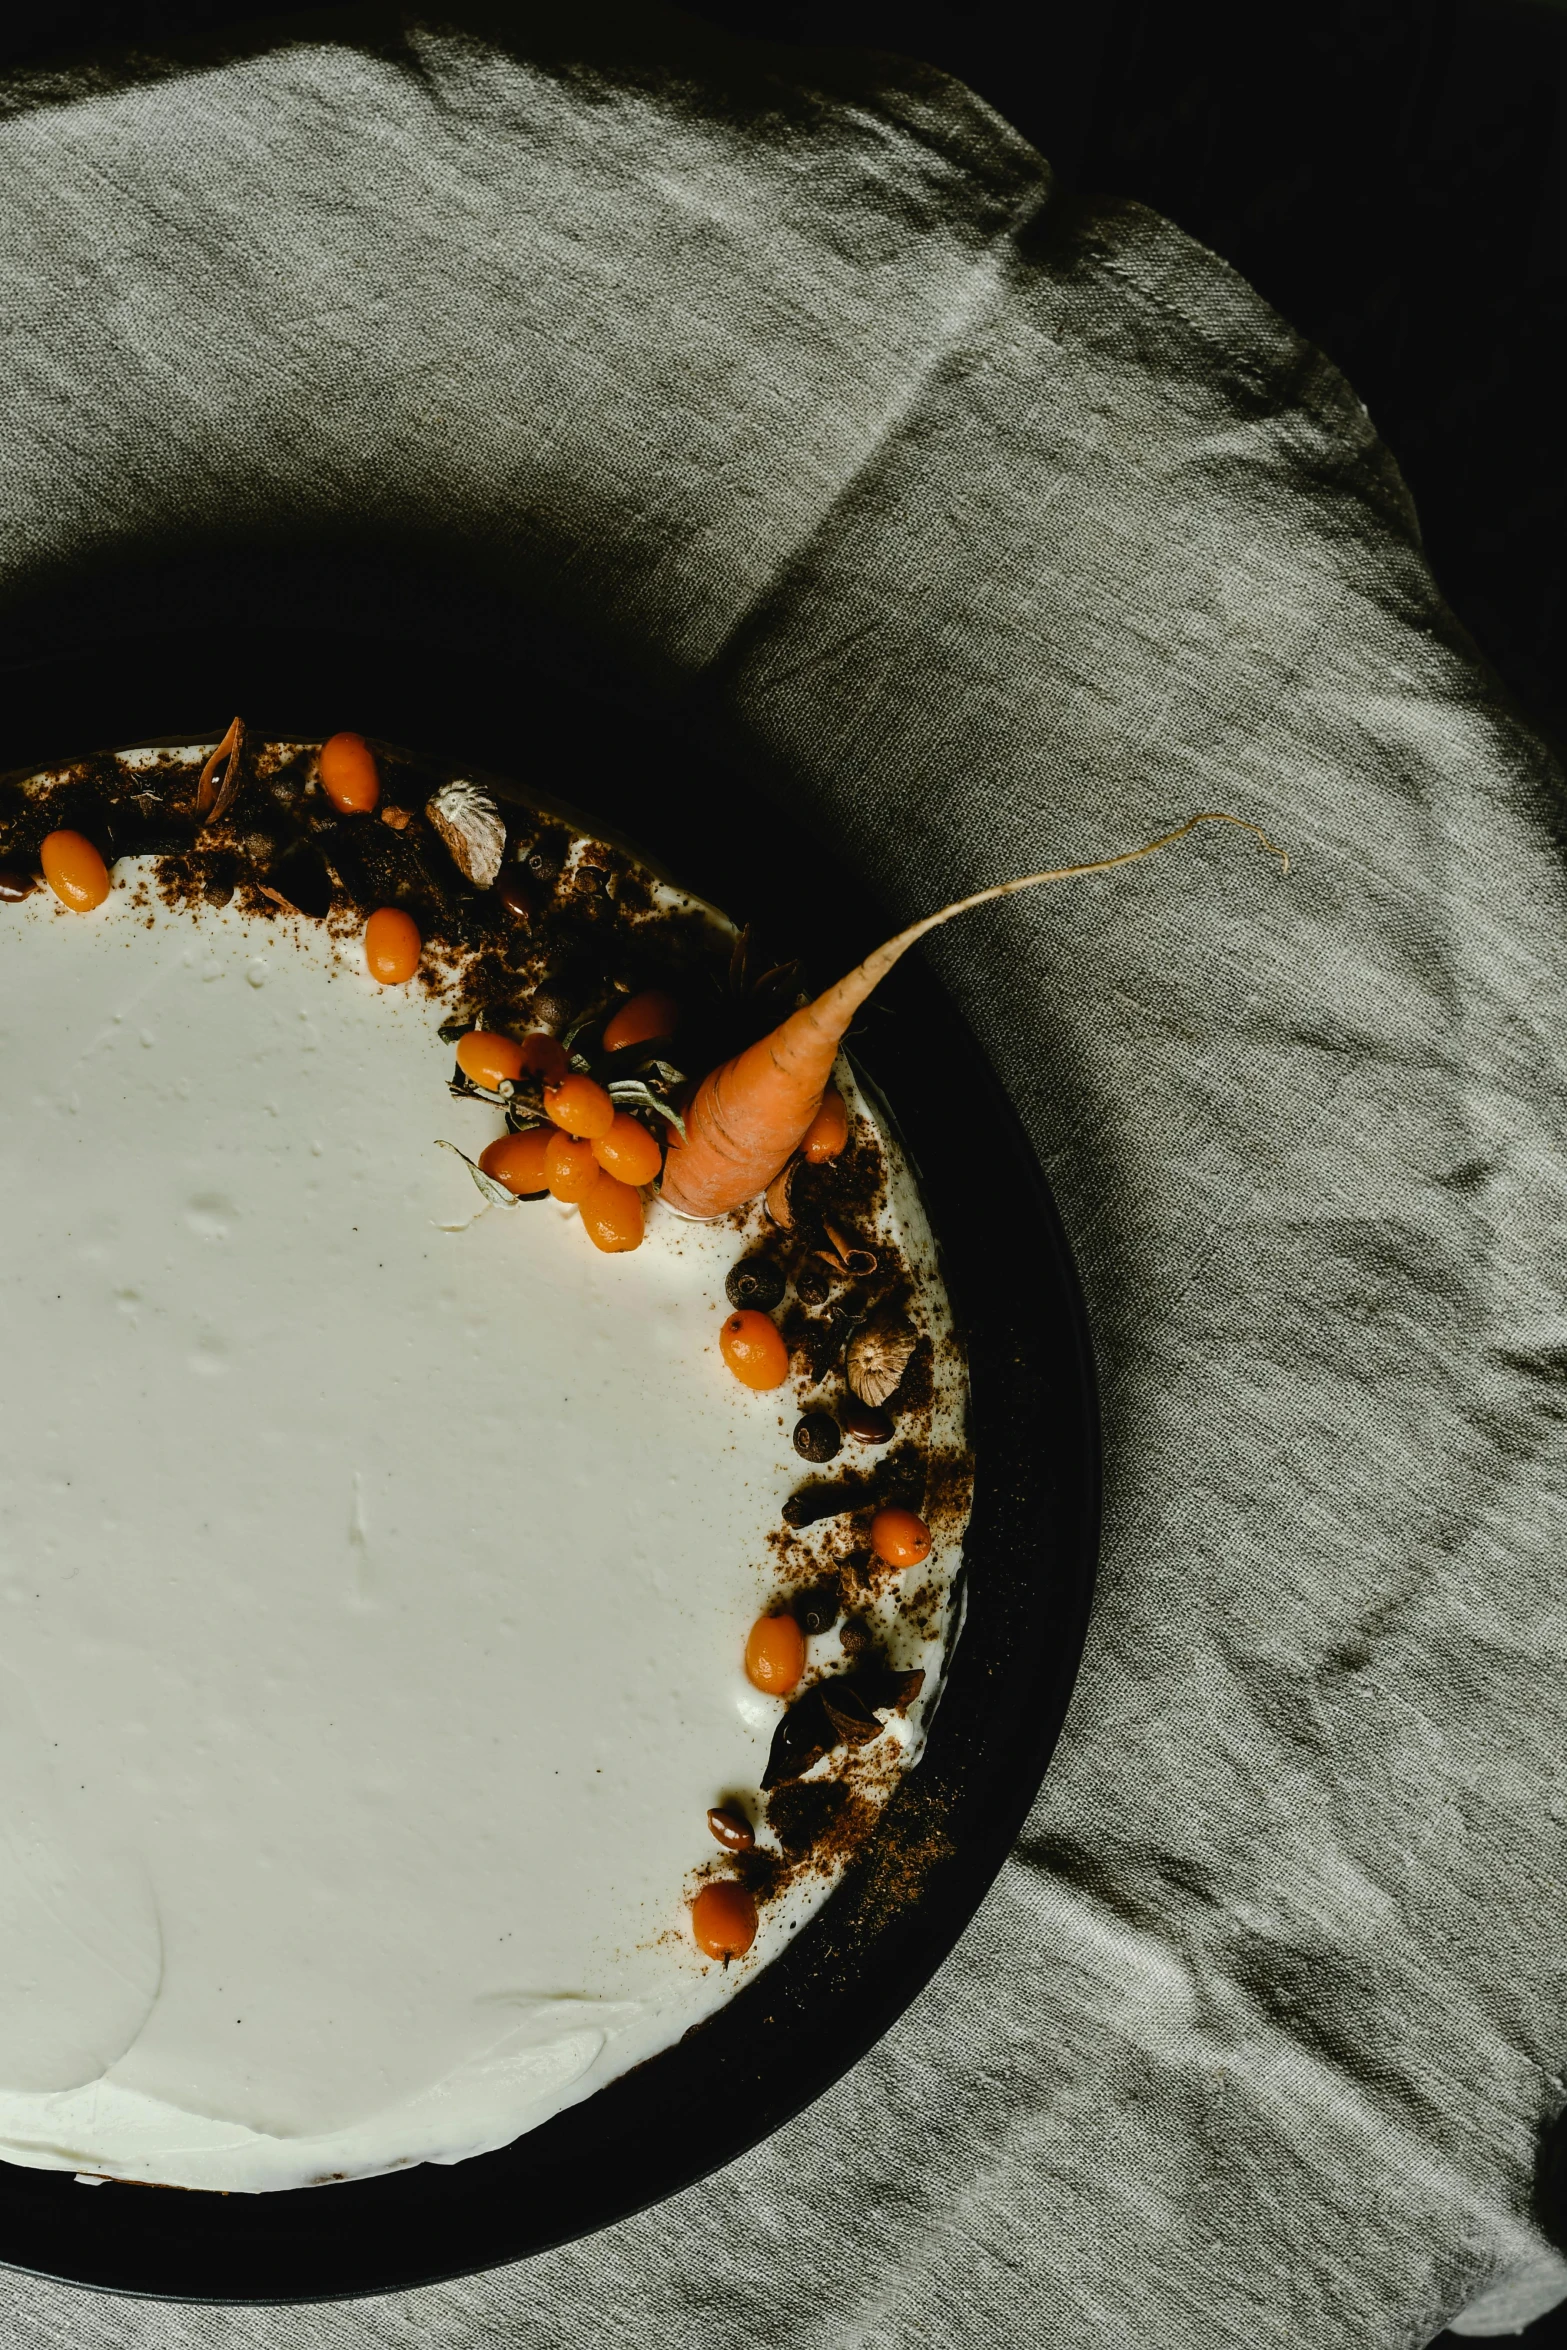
(747, 1119)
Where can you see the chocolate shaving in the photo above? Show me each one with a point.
(214, 799)
(803, 1736)
(847, 1254)
(848, 1713)
(777, 1197)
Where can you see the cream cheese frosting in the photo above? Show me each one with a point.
(373, 1578)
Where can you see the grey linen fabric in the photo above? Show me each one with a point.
(995, 533)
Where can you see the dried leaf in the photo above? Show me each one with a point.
(473, 829)
(494, 1194)
(633, 1089)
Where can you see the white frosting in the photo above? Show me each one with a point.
(372, 1594)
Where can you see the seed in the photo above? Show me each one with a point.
(775, 1655)
(74, 871)
(545, 859)
(755, 1281)
(751, 1346)
(817, 1437)
(811, 1285)
(899, 1538)
(641, 1019)
(392, 946)
(628, 1151)
(733, 1832)
(828, 1131)
(818, 1609)
(878, 1357)
(580, 1107)
(14, 886)
(570, 1169)
(517, 1160)
(488, 1059)
(349, 775)
(516, 897)
(612, 1215)
(723, 1919)
(472, 828)
(865, 1421)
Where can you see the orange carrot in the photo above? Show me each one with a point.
(747, 1119)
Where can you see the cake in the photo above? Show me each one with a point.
(449, 1640)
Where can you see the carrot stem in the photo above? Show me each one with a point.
(747, 1118)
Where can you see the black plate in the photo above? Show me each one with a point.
(1030, 1553)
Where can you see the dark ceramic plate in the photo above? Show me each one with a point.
(1029, 1555)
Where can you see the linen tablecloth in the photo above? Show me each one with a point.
(996, 531)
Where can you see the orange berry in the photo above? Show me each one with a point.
(544, 1056)
(612, 1215)
(580, 1106)
(488, 1059)
(392, 946)
(628, 1151)
(723, 1919)
(570, 1169)
(517, 1160)
(74, 871)
(829, 1129)
(775, 1655)
(640, 1019)
(751, 1346)
(900, 1538)
(349, 776)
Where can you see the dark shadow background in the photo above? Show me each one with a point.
(1390, 174)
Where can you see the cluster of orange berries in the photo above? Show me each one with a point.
(593, 1155)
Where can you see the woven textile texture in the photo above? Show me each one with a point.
(994, 533)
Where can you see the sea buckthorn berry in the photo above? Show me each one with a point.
(74, 871)
(570, 1169)
(732, 1829)
(751, 1346)
(828, 1131)
(392, 946)
(723, 1919)
(640, 1019)
(612, 1215)
(515, 895)
(349, 775)
(517, 1160)
(580, 1107)
(544, 1056)
(899, 1538)
(628, 1151)
(488, 1059)
(775, 1655)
